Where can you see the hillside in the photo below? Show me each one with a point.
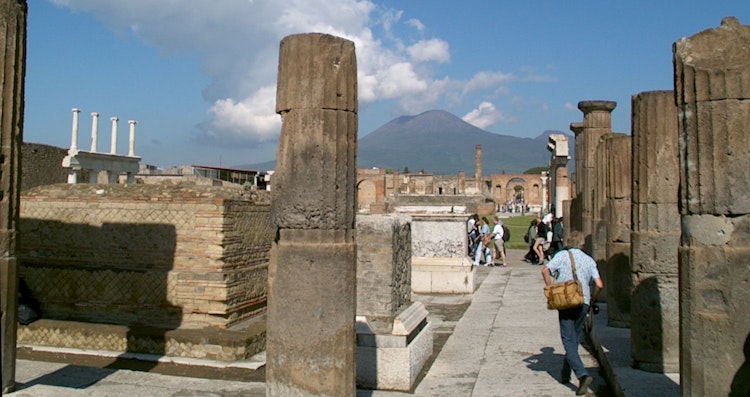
(438, 142)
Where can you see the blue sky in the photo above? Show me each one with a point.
(200, 76)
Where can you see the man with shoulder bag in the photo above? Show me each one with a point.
(572, 319)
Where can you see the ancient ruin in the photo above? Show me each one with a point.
(312, 279)
(95, 167)
(712, 96)
(656, 232)
(13, 59)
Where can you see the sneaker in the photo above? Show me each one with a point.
(583, 387)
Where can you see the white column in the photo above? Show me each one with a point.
(131, 150)
(544, 191)
(113, 147)
(74, 138)
(94, 130)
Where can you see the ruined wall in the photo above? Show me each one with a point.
(164, 256)
(42, 165)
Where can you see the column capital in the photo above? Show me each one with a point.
(576, 127)
(95, 114)
(114, 119)
(132, 122)
(76, 110)
(593, 106)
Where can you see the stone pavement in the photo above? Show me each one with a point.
(505, 343)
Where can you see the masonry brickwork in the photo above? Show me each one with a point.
(162, 256)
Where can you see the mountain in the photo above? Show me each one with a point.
(438, 142)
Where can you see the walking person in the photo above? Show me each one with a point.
(541, 241)
(498, 243)
(572, 320)
(531, 256)
(483, 248)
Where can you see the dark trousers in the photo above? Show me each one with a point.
(571, 331)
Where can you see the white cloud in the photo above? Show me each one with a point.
(434, 50)
(486, 115)
(571, 106)
(237, 42)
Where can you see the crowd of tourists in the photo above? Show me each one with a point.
(487, 245)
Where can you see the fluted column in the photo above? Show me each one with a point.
(597, 121)
(312, 274)
(131, 141)
(94, 131)
(113, 142)
(712, 71)
(656, 232)
(13, 59)
(74, 132)
(619, 274)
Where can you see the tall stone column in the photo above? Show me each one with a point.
(74, 131)
(13, 59)
(597, 121)
(113, 142)
(619, 274)
(656, 232)
(574, 221)
(312, 274)
(712, 70)
(598, 240)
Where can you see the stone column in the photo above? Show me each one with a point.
(312, 274)
(113, 145)
(574, 221)
(74, 133)
(656, 232)
(598, 240)
(559, 184)
(131, 141)
(597, 121)
(13, 59)
(712, 70)
(94, 131)
(544, 178)
(617, 256)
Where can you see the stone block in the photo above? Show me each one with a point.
(655, 253)
(656, 218)
(655, 323)
(619, 284)
(443, 275)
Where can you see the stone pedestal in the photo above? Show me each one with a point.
(656, 233)
(393, 361)
(439, 261)
(13, 36)
(712, 69)
(312, 275)
(394, 340)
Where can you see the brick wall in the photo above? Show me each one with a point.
(165, 256)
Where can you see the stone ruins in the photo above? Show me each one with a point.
(321, 279)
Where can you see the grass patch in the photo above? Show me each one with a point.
(518, 225)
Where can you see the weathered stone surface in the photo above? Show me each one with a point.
(311, 336)
(654, 323)
(12, 59)
(656, 158)
(618, 274)
(302, 197)
(312, 276)
(655, 252)
(712, 83)
(717, 157)
(322, 76)
(383, 268)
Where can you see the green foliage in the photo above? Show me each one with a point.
(536, 170)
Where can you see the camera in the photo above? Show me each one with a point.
(595, 308)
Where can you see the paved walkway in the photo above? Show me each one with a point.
(506, 343)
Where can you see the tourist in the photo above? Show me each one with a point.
(531, 256)
(483, 248)
(472, 228)
(571, 320)
(541, 240)
(557, 236)
(497, 241)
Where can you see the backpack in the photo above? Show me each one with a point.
(506, 233)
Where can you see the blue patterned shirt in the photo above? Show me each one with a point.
(586, 269)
